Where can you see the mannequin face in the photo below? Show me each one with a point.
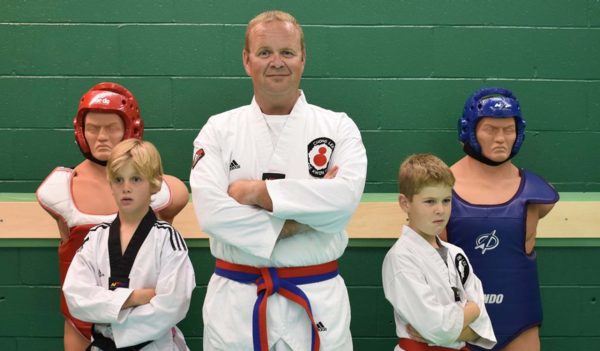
(102, 132)
(496, 136)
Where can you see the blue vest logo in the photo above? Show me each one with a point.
(493, 298)
(487, 241)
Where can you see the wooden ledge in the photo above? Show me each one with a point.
(377, 216)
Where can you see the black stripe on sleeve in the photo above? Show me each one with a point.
(175, 238)
(180, 240)
(171, 239)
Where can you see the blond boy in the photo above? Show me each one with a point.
(132, 278)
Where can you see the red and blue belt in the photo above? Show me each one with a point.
(283, 281)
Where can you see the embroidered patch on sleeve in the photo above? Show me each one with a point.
(462, 267)
(319, 154)
(197, 156)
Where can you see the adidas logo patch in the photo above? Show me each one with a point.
(321, 327)
(233, 165)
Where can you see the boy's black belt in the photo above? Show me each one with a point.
(108, 344)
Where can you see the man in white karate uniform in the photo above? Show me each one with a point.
(274, 184)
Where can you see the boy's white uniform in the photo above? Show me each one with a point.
(55, 195)
(418, 284)
(237, 145)
(161, 263)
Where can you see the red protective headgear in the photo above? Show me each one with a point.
(111, 98)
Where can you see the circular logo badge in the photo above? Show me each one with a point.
(319, 154)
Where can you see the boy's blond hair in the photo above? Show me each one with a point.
(270, 16)
(144, 157)
(421, 170)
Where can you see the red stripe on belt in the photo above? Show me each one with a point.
(413, 345)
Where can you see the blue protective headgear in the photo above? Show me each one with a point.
(489, 102)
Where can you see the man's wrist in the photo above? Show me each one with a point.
(261, 196)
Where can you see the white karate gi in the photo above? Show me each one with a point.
(249, 235)
(418, 284)
(162, 263)
(55, 196)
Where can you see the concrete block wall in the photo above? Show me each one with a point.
(29, 293)
(401, 69)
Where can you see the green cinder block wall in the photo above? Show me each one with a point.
(30, 319)
(400, 69)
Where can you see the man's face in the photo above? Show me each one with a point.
(275, 59)
(102, 132)
(496, 136)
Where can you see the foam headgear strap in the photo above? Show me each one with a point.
(108, 97)
(490, 102)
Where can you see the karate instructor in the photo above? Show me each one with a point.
(274, 184)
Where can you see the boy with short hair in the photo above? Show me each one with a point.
(438, 301)
(132, 278)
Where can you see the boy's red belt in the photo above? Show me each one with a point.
(413, 345)
(283, 281)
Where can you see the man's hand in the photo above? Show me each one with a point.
(251, 192)
(414, 334)
(254, 192)
(139, 297)
(291, 228)
(332, 172)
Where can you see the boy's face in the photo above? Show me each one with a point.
(131, 191)
(429, 210)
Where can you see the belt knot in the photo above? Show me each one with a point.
(268, 281)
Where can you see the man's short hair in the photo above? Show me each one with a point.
(144, 157)
(270, 16)
(421, 170)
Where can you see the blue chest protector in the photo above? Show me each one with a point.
(493, 237)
